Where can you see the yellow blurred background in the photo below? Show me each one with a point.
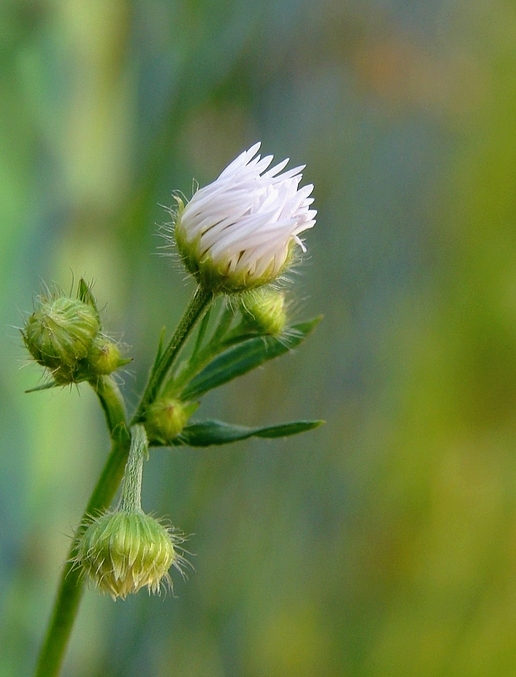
(383, 544)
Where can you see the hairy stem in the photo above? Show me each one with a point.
(130, 500)
(112, 403)
(71, 585)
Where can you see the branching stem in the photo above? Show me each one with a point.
(71, 585)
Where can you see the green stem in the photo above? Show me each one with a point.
(131, 498)
(198, 304)
(113, 405)
(71, 585)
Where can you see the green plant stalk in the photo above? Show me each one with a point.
(202, 358)
(112, 403)
(130, 500)
(199, 302)
(71, 585)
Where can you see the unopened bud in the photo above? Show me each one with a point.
(123, 551)
(264, 310)
(105, 357)
(60, 333)
(166, 418)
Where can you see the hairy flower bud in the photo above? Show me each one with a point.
(105, 357)
(60, 333)
(166, 418)
(264, 310)
(239, 231)
(123, 551)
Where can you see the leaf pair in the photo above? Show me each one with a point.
(235, 361)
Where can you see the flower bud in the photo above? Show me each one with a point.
(264, 310)
(105, 357)
(239, 232)
(166, 418)
(60, 333)
(123, 551)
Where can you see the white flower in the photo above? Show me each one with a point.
(239, 231)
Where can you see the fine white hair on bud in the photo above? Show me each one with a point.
(121, 552)
(239, 232)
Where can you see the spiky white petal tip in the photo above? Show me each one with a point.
(238, 232)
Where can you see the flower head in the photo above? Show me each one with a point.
(123, 551)
(239, 231)
(65, 335)
(59, 335)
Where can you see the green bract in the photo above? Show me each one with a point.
(64, 335)
(218, 276)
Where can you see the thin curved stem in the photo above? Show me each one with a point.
(112, 403)
(71, 585)
(131, 498)
(194, 311)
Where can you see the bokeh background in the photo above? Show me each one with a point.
(382, 544)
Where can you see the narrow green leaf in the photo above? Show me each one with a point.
(244, 357)
(207, 433)
(187, 370)
(201, 332)
(224, 322)
(161, 342)
(85, 295)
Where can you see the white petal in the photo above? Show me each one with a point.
(245, 219)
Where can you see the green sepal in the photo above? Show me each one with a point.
(44, 386)
(85, 295)
(244, 357)
(207, 433)
(159, 352)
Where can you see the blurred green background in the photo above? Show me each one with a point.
(382, 544)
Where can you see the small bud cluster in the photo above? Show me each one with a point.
(64, 335)
(124, 551)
